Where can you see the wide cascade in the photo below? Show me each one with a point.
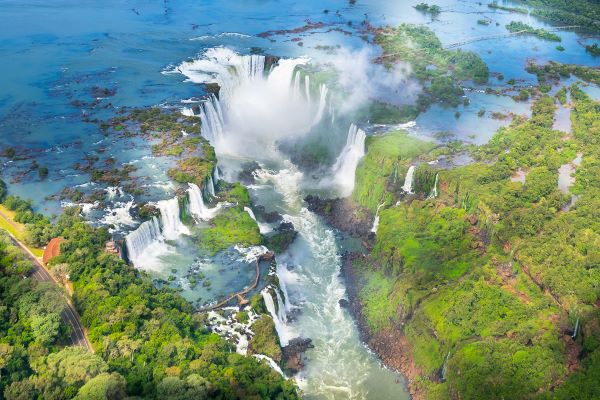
(255, 108)
(211, 117)
(138, 241)
(344, 169)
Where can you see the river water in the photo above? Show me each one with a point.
(55, 53)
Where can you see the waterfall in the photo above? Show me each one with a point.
(216, 175)
(307, 87)
(445, 367)
(210, 186)
(297, 84)
(322, 103)
(376, 220)
(344, 169)
(278, 315)
(197, 207)
(271, 362)
(138, 241)
(171, 223)
(282, 275)
(408, 181)
(281, 313)
(434, 192)
(251, 97)
(576, 329)
(252, 66)
(187, 112)
(211, 117)
(250, 212)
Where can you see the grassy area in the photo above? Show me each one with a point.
(232, 226)
(386, 162)
(18, 231)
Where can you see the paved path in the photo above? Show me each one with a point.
(69, 315)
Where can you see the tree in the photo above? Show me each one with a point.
(6, 352)
(46, 328)
(21, 390)
(72, 366)
(103, 387)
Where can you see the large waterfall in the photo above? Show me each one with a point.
(172, 227)
(251, 97)
(258, 110)
(146, 243)
(344, 169)
(144, 236)
(408, 181)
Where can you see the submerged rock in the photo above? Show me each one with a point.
(292, 354)
(268, 217)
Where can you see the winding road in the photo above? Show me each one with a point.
(39, 273)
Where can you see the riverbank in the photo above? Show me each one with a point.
(390, 346)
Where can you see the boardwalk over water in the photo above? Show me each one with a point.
(503, 35)
(266, 257)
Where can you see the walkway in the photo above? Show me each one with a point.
(503, 35)
(266, 256)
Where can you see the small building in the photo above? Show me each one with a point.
(52, 249)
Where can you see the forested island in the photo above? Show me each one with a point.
(355, 201)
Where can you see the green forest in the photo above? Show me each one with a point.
(147, 342)
(496, 282)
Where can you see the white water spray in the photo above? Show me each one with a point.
(408, 181)
(250, 98)
(172, 227)
(344, 169)
(278, 314)
(376, 220)
(434, 191)
(197, 207)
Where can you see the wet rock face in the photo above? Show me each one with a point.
(343, 214)
(269, 217)
(270, 61)
(213, 88)
(292, 354)
(246, 175)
